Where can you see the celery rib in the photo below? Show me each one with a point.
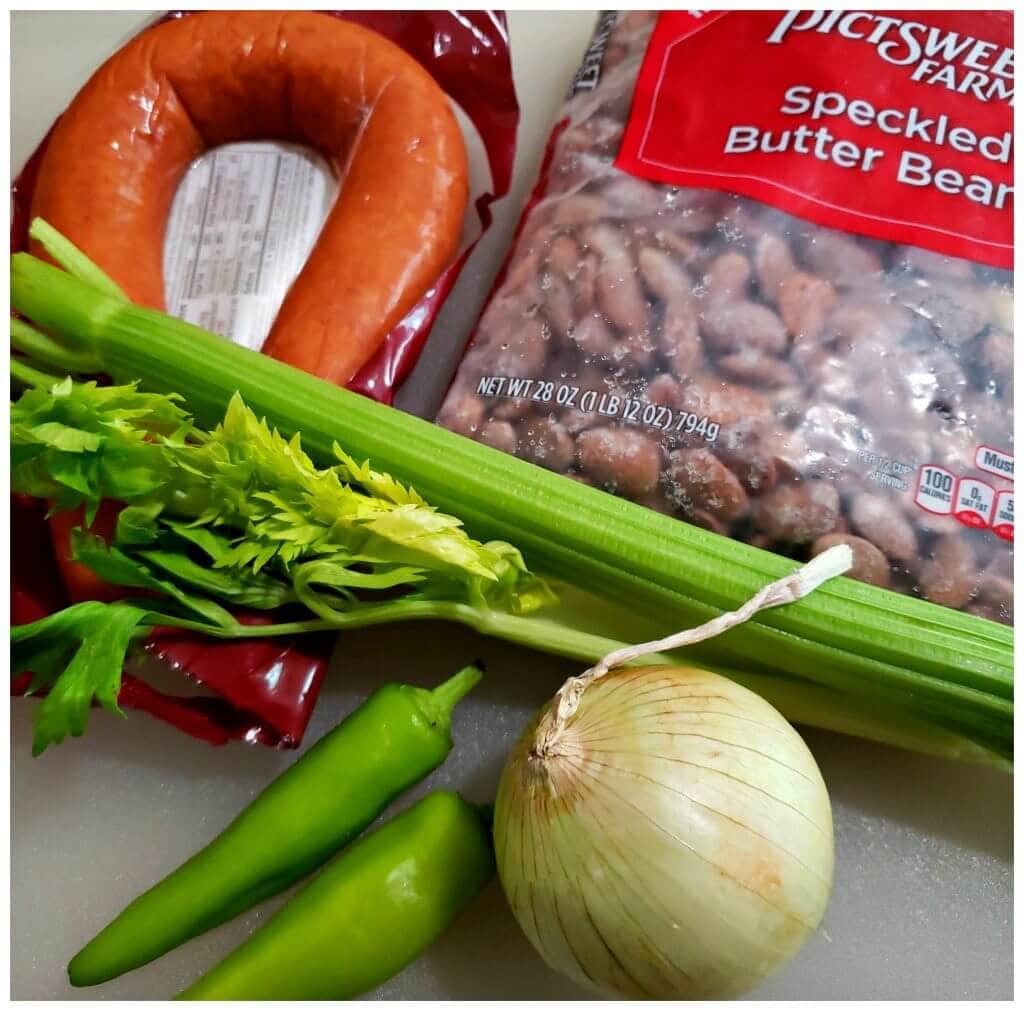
(798, 700)
(72, 259)
(25, 375)
(43, 349)
(876, 648)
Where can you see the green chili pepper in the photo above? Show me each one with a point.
(368, 914)
(305, 816)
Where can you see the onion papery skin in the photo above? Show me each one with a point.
(672, 840)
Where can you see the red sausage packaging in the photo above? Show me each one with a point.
(764, 285)
(243, 221)
(265, 238)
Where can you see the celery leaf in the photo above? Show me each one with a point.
(78, 654)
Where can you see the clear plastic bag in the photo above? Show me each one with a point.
(722, 361)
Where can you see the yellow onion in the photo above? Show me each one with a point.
(668, 835)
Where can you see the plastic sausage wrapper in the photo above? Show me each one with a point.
(764, 285)
(182, 169)
(306, 183)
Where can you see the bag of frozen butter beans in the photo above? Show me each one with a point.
(764, 285)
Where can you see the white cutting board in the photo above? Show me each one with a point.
(923, 893)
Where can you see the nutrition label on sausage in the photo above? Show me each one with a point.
(602, 403)
(243, 222)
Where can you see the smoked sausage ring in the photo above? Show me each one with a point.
(118, 153)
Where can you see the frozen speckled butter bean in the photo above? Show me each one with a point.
(797, 513)
(617, 457)
(869, 564)
(699, 482)
(876, 518)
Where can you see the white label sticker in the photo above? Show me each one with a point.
(242, 224)
(974, 502)
(1002, 521)
(994, 461)
(935, 489)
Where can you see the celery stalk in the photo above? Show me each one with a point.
(873, 649)
(25, 375)
(73, 260)
(800, 700)
(34, 343)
